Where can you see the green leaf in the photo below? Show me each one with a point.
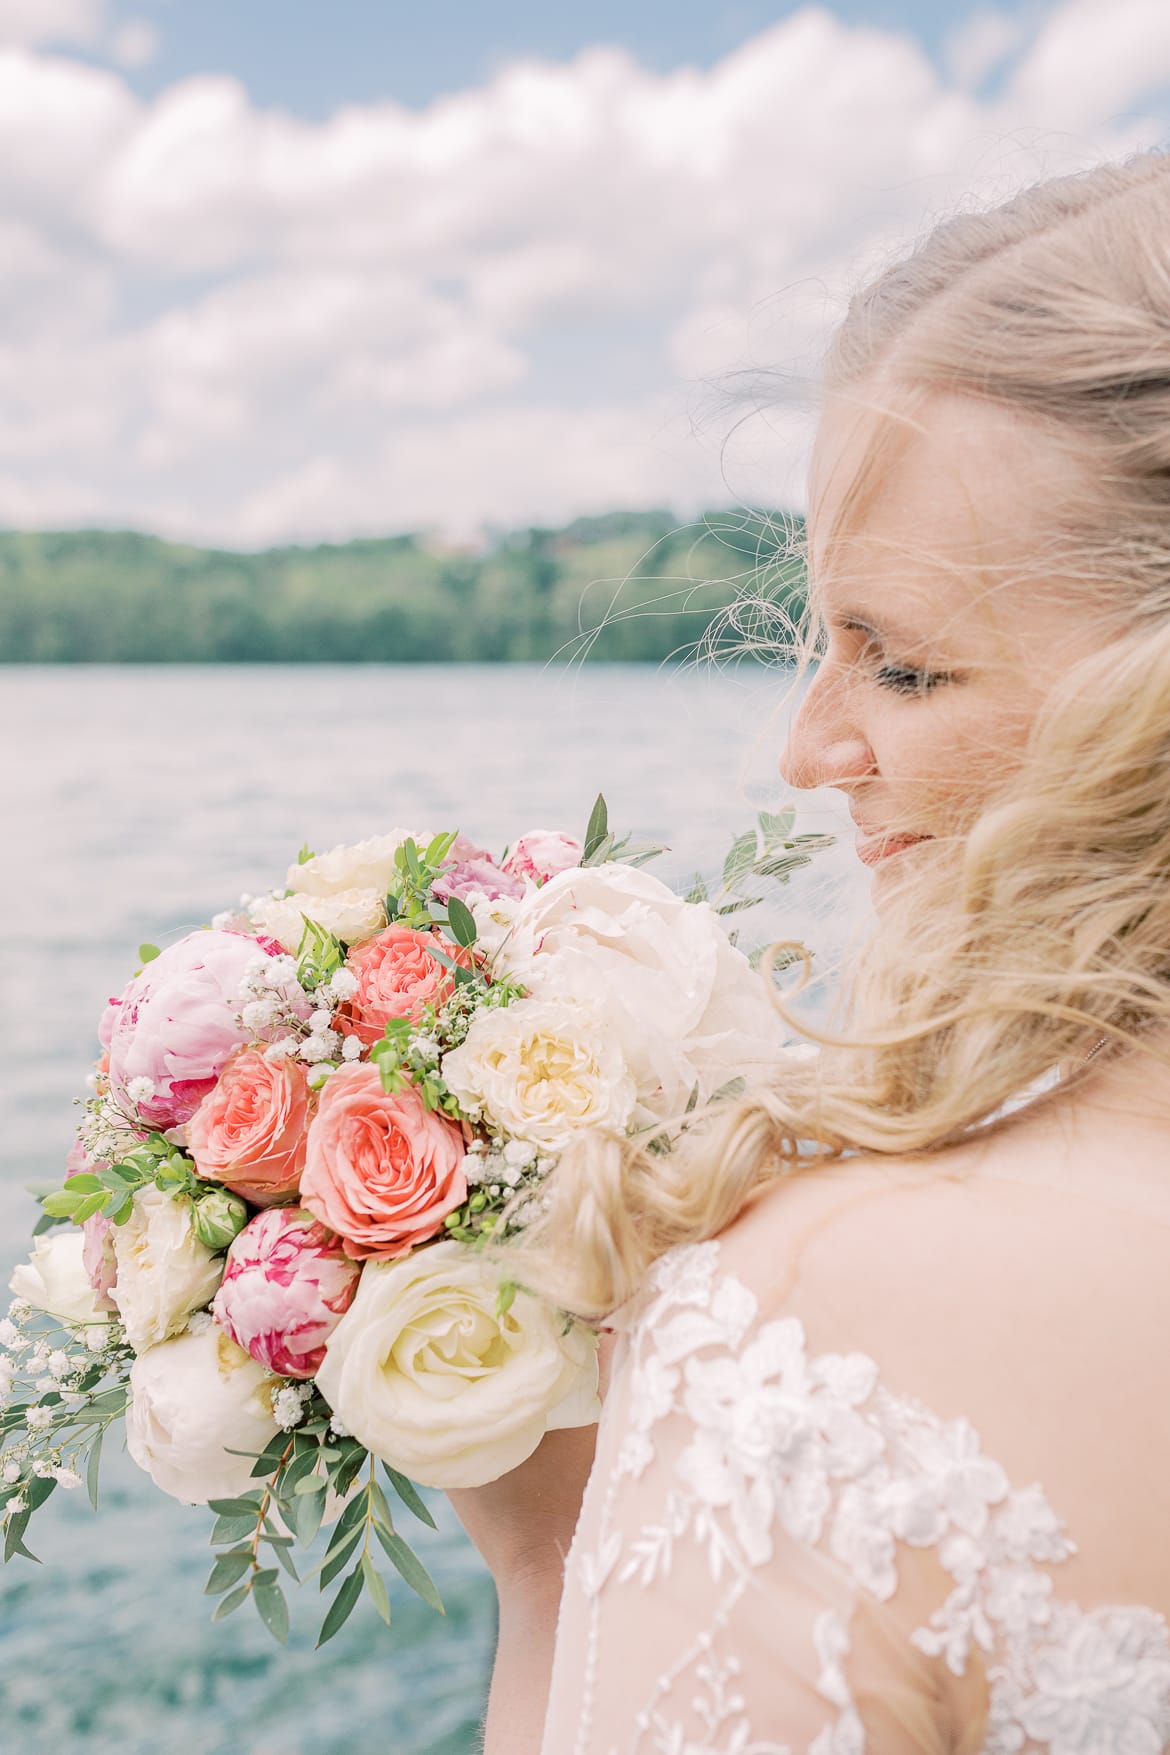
(376, 1588)
(308, 1511)
(409, 1495)
(306, 853)
(14, 1537)
(93, 1203)
(411, 1567)
(698, 891)
(248, 1505)
(740, 859)
(600, 853)
(227, 1571)
(147, 953)
(341, 1607)
(285, 1558)
(93, 1468)
(775, 828)
(61, 1205)
(338, 1559)
(232, 1602)
(48, 1221)
(462, 922)
(39, 1489)
(596, 831)
(738, 906)
(782, 866)
(272, 1608)
(231, 1529)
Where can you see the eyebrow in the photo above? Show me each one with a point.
(862, 624)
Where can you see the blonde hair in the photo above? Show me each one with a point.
(1047, 923)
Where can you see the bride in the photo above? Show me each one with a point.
(884, 1457)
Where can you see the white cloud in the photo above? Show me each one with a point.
(255, 325)
(135, 44)
(981, 43)
(51, 21)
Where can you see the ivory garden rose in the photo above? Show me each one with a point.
(286, 1284)
(175, 1025)
(55, 1279)
(368, 865)
(381, 1169)
(164, 1273)
(430, 1377)
(685, 1006)
(540, 1072)
(250, 1131)
(350, 915)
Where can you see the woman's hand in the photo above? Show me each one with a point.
(522, 1525)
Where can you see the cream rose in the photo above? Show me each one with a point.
(164, 1272)
(685, 1007)
(54, 1279)
(367, 866)
(426, 1375)
(350, 915)
(541, 1072)
(194, 1399)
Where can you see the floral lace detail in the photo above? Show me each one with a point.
(817, 1447)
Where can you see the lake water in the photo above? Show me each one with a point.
(137, 802)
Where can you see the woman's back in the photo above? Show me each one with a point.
(883, 1468)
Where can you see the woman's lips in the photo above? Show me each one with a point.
(873, 848)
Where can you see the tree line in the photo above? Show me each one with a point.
(623, 586)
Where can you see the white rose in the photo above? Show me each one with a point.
(493, 921)
(54, 1278)
(194, 1399)
(425, 1374)
(541, 1071)
(350, 915)
(685, 1006)
(164, 1271)
(367, 866)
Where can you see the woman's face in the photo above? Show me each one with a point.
(939, 650)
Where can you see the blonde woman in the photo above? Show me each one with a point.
(885, 1460)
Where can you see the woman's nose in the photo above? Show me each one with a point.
(825, 746)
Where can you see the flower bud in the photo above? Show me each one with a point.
(219, 1216)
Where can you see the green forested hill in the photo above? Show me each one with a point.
(622, 586)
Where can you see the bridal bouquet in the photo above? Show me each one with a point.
(307, 1121)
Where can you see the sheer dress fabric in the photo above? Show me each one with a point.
(885, 1468)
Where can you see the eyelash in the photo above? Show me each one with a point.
(905, 681)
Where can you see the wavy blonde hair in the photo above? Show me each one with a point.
(1047, 922)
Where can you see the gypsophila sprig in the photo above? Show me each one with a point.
(307, 1122)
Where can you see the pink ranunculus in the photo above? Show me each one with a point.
(175, 1024)
(250, 1131)
(286, 1285)
(382, 1170)
(97, 1251)
(397, 977)
(472, 874)
(541, 854)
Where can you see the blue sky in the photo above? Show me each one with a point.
(275, 271)
(311, 57)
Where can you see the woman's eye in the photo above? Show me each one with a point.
(906, 681)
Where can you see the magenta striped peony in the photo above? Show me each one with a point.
(286, 1286)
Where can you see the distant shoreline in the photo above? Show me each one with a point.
(627, 587)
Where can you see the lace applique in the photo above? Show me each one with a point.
(816, 1446)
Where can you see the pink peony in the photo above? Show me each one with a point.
(397, 977)
(175, 1024)
(286, 1286)
(250, 1131)
(97, 1250)
(382, 1170)
(473, 875)
(541, 854)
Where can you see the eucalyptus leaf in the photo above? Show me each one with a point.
(376, 1587)
(232, 1602)
(272, 1608)
(411, 1567)
(227, 1571)
(597, 828)
(338, 1559)
(93, 1468)
(308, 1512)
(409, 1495)
(341, 1607)
(740, 859)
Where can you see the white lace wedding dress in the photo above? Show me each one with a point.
(885, 1468)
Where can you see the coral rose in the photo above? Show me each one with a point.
(250, 1132)
(285, 1288)
(382, 1170)
(397, 977)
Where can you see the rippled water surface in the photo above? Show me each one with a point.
(137, 802)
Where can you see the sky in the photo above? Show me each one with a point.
(281, 272)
